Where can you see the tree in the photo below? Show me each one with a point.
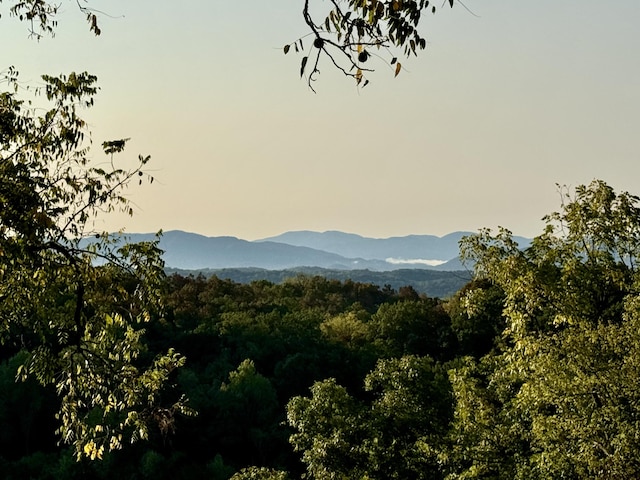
(77, 309)
(412, 327)
(26, 413)
(247, 405)
(346, 329)
(395, 436)
(476, 317)
(561, 397)
(260, 473)
(329, 431)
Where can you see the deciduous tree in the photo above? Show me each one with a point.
(78, 309)
(396, 436)
(564, 386)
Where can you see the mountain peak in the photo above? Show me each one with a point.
(330, 249)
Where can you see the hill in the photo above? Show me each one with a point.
(328, 250)
(429, 282)
(192, 251)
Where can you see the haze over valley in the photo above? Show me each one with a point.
(332, 250)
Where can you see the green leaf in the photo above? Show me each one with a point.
(286, 49)
(114, 146)
(303, 65)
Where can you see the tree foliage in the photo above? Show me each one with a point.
(347, 33)
(260, 473)
(560, 399)
(395, 436)
(529, 372)
(76, 308)
(41, 15)
(352, 31)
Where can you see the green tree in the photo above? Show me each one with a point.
(412, 327)
(346, 329)
(484, 439)
(247, 404)
(78, 309)
(476, 317)
(395, 436)
(260, 473)
(26, 413)
(329, 429)
(560, 399)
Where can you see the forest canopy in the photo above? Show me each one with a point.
(529, 371)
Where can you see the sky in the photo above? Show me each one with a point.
(505, 103)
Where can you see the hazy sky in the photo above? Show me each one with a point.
(476, 132)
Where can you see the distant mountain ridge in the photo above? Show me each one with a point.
(193, 251)
(429, 282)
(331, 250)
(410, 247)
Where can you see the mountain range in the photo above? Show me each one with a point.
(331, 250)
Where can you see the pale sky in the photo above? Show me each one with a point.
(474, 133)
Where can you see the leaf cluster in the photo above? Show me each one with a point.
(355, 30)
(41, 16)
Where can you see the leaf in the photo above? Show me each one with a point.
(366, 82)
(358, 76)
(114, 146)
(398, 68)
(286, 49)
(451, 3)
(394, 60)
(303, 65)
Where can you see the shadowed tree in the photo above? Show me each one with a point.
(76, 308)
